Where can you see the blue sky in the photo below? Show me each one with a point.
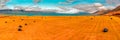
(52, 3)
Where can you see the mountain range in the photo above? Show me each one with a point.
(115, 11)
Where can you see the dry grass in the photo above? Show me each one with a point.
(60, 28)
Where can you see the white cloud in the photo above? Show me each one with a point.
(91, 8)
(70, 1)
(115, 2)
(36, 1)
(3, 1)
(67, 10)
(98, 4)
(64, 8)
(71, 11)
(67, 2)
(102, 8)
(86, 8)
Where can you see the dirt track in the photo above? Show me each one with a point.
(60, 28)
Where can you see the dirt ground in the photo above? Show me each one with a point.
(59, 28)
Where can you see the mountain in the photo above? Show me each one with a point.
(115, 11)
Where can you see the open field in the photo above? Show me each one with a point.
(59, 28)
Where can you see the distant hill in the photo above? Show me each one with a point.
(115, 11)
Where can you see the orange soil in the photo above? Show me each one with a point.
(60, 28)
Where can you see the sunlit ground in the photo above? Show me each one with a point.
(59, 28)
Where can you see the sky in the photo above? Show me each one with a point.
(75, 5)
(53, 3)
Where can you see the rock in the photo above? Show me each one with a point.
(19, 29)
(105, 30)
(5, 21)
(20, 26)
(25, 24)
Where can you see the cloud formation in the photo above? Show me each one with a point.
(64, 3)
(86, 8)
(67, 2)
(70, 11)
(113, 1)
(91, 8)
(3, 1)
(63, 8)
(70, 1)
(3, 4)
(36, 1)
